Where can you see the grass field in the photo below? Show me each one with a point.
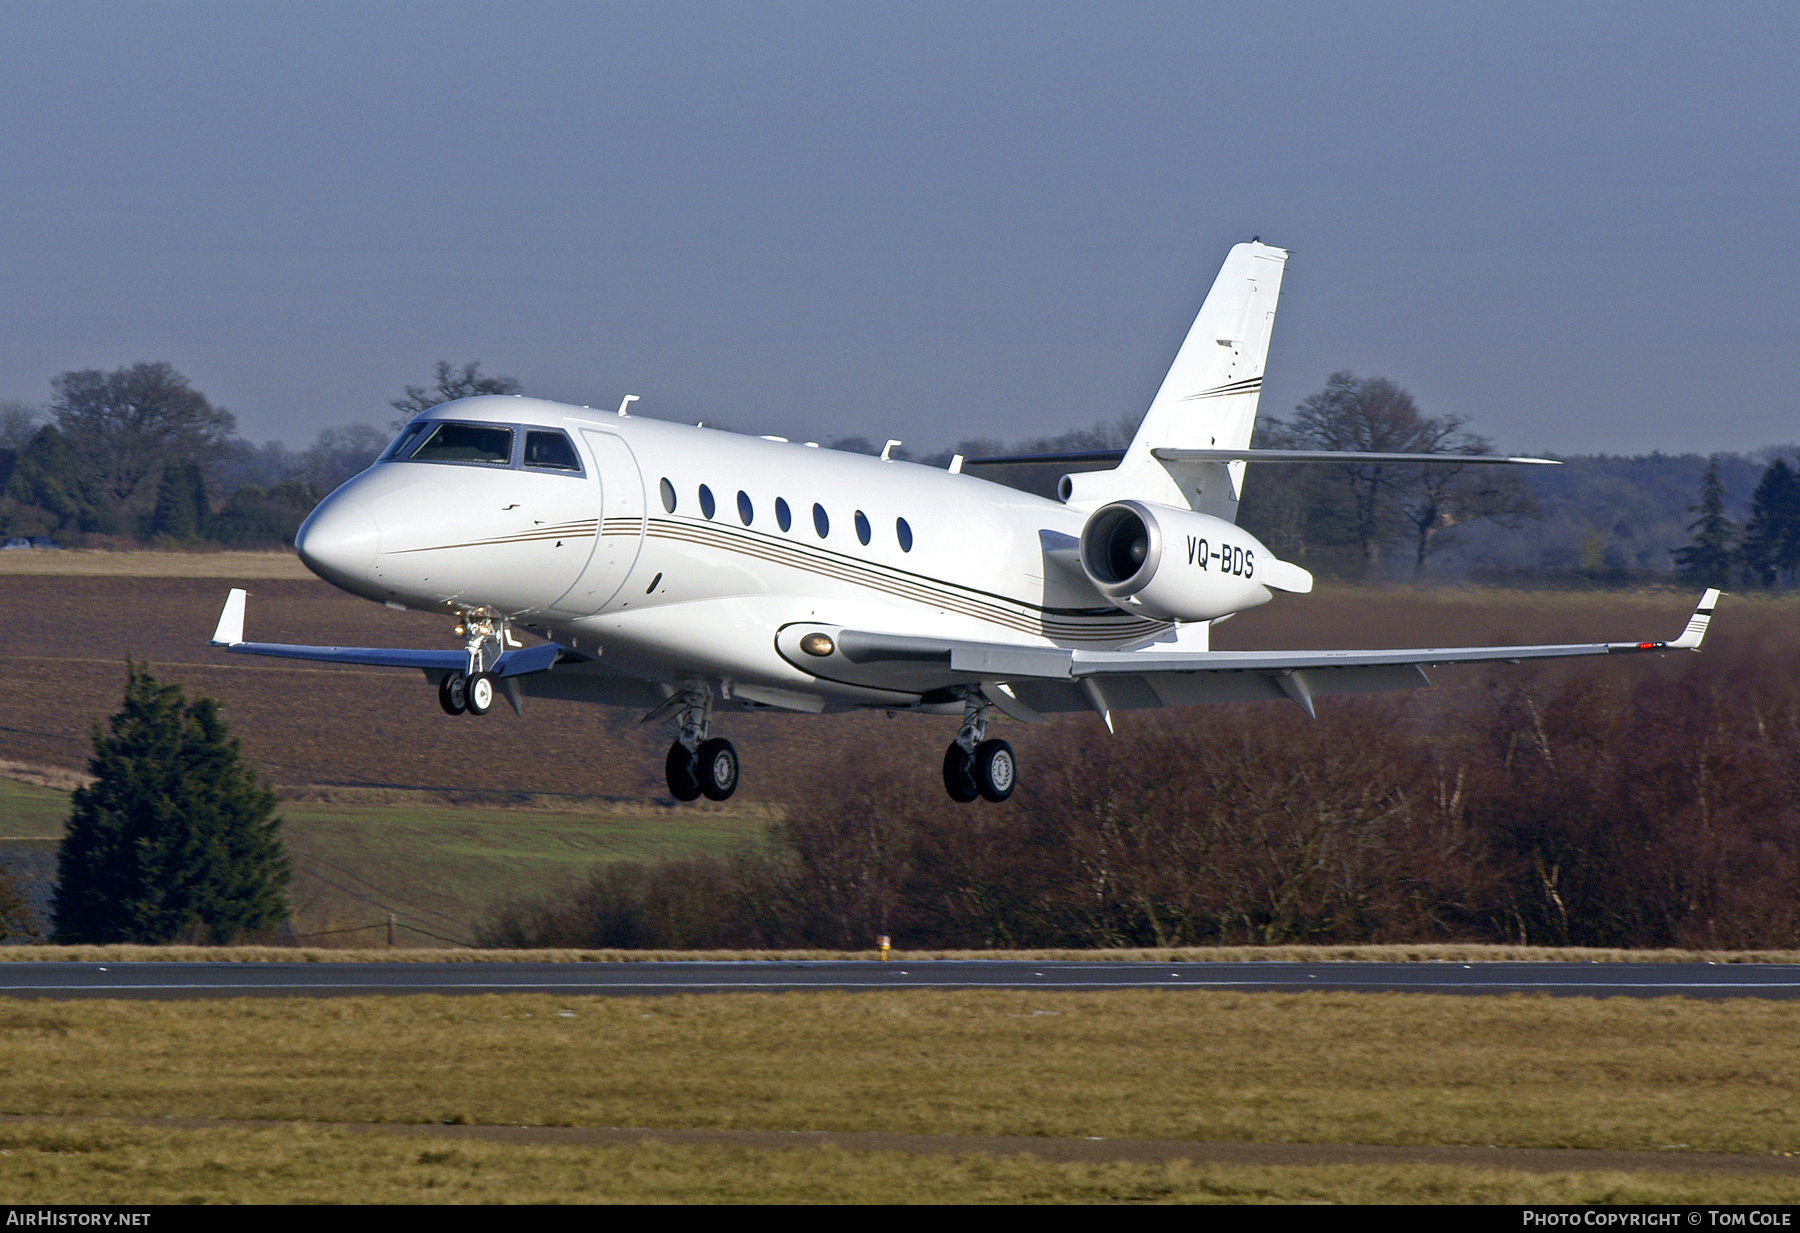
(358, 856)
(1672, 1074)
(111, 1163)
(83, 563)
(1713, 1076)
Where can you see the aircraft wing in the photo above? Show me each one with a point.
(1024, 681)
(230, 636)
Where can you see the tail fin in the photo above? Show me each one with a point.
(1207, 400)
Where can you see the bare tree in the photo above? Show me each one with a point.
(126, 424)
(1445, 494)
(339, 453)
(1371, 415)
(1386, 502)
(452, 383)
(18, 421)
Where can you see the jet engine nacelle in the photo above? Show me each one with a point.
(1179, 565)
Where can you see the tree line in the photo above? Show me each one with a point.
(1761, 553)
(139, 454)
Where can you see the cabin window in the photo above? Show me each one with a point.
(820, 521)
(706, 501)
(668, 494)
(550, 451)
(407, 436)
(903, 533)
(784, 517)
(862, 526)
(467, 443)
(746, 511)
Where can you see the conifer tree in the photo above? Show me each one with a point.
(176, 838)
(1706, 562)
(1770, 552)
(181, 507)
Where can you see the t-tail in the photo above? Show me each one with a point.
(1207, 400)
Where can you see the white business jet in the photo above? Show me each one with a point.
(687, 571)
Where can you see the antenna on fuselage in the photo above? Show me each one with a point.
(626, 402)
(889, 448)
(956, 462)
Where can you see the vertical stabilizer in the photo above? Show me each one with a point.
(1208, 399)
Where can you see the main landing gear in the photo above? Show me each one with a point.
(699, 764)
(974, 764)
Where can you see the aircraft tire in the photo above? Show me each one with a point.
(681, 769)
(959, 778)
(451, 694)
(996, 770)
(716, 764)
(481, 693)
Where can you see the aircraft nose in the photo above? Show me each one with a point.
(338, 542)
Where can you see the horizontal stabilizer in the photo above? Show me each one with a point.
(1343, 456)
(1088, 457)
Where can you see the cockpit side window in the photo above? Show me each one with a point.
(407, 436)
(550, 450)
(453, 442)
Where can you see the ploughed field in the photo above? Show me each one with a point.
(310, 724)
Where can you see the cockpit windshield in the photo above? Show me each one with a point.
(407, 436)
(453, 442)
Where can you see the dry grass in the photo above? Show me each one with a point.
(1448, 952)
(114, 1163)
(86, 563)
(1716, 1076)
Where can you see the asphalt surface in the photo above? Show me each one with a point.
(213, 980)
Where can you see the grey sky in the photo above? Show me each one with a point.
(1575, 224)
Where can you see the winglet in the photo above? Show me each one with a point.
(231, 621)
(1696, 626)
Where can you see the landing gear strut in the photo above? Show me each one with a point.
(485, 635)
(698, 763)
(974, 764)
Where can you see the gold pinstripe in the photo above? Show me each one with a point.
(1001, 610)
(583, 529)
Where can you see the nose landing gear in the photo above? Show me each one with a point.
(976, 765)
(486, 635)
(453, 693)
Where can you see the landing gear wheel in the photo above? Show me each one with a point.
(683, 773)
(717, 766)
(481, 693)
(996, 772)
(959, 778)
(452, 695)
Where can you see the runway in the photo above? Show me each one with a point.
(219, 980)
